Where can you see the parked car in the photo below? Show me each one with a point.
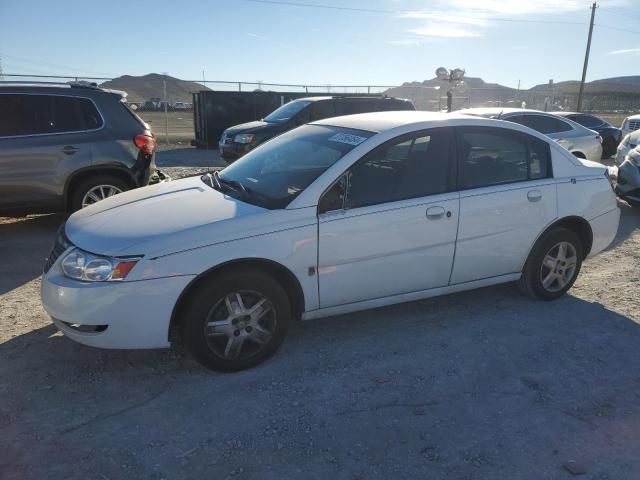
(628, 143)
(238, 140)
(340, 215)
(628, 180)
(630, 124)
(611, 135)
(63, 147)
(579, 140)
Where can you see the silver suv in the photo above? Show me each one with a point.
(66, 146)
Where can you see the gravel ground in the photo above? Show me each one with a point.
(485, 384)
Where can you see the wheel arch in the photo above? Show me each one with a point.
(281, 274)
(83, 174)
(577, 225)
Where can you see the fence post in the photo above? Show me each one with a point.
(166, 115)
(368, 89)
(239, 86)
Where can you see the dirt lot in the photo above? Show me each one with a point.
(484, 384)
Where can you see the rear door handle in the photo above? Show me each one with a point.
(69, 149)
(434, 213)
(534, 195)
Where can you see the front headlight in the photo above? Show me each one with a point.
(244, 138)
(634, 157)
(88, 267)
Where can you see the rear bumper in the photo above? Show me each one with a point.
(604, 228)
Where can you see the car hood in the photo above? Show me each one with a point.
(250, 127)
(157, 219)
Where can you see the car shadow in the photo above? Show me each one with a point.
(25, 242)
(554, 376)
(629, 222)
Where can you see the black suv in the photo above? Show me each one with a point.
(238, 140)
(66, 146)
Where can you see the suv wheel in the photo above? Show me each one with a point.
(552, 266)
(235, 321)
(95, 189)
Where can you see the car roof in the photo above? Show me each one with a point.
(499, 110)
(48, 87)
(347, 97)
(383, 121)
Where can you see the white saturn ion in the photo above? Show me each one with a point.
(339, 215)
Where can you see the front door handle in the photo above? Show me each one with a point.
(534, 195)
(434, 213)
(69, 149)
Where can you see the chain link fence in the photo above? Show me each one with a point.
(166, 103)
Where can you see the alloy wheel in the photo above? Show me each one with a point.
(99, 192)
(558, 267)
(240, 325)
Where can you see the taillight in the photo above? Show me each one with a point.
(146, 143)
(610, 175)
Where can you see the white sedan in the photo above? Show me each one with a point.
(336, 216)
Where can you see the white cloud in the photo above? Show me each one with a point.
(444, 31)
(625, 51)
(407, 41)
(519, 7)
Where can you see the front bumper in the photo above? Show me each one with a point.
(233, 151)
(112, 314)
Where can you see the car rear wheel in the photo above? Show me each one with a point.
(236, 321)
(553, 265)
(95, 189)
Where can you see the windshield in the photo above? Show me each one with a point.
(273, 174)
(286, 111)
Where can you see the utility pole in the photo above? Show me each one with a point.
(586, 56)
(166, 115)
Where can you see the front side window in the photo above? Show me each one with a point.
(541, 123)
(22, 114)
(409, 167)
(491, 156)
(588, 121)
(276, 172)
(322, 109)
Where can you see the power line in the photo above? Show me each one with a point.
(634, 32)
(620, 12)
(409, 12)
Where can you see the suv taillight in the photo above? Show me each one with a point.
(146, 143)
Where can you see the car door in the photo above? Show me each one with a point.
(39, 136)
(507, 197)
(388, 225)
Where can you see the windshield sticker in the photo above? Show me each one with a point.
(347, 138)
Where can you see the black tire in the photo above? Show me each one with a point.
(531, 282)
(85, 186)
(203, 303)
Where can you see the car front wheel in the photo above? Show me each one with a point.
(553, 265)
(235, 321)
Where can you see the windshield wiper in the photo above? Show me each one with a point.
(234, 185)
(212, 180)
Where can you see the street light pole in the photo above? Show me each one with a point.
(586, 56)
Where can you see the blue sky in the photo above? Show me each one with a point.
(273, 42)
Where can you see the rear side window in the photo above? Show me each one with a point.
(23, 114)
(392, 105)
(542, 123)
(491, 156)
(353, 106)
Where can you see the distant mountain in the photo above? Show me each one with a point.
(429, 94)
(146, 87)
(425, 96)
